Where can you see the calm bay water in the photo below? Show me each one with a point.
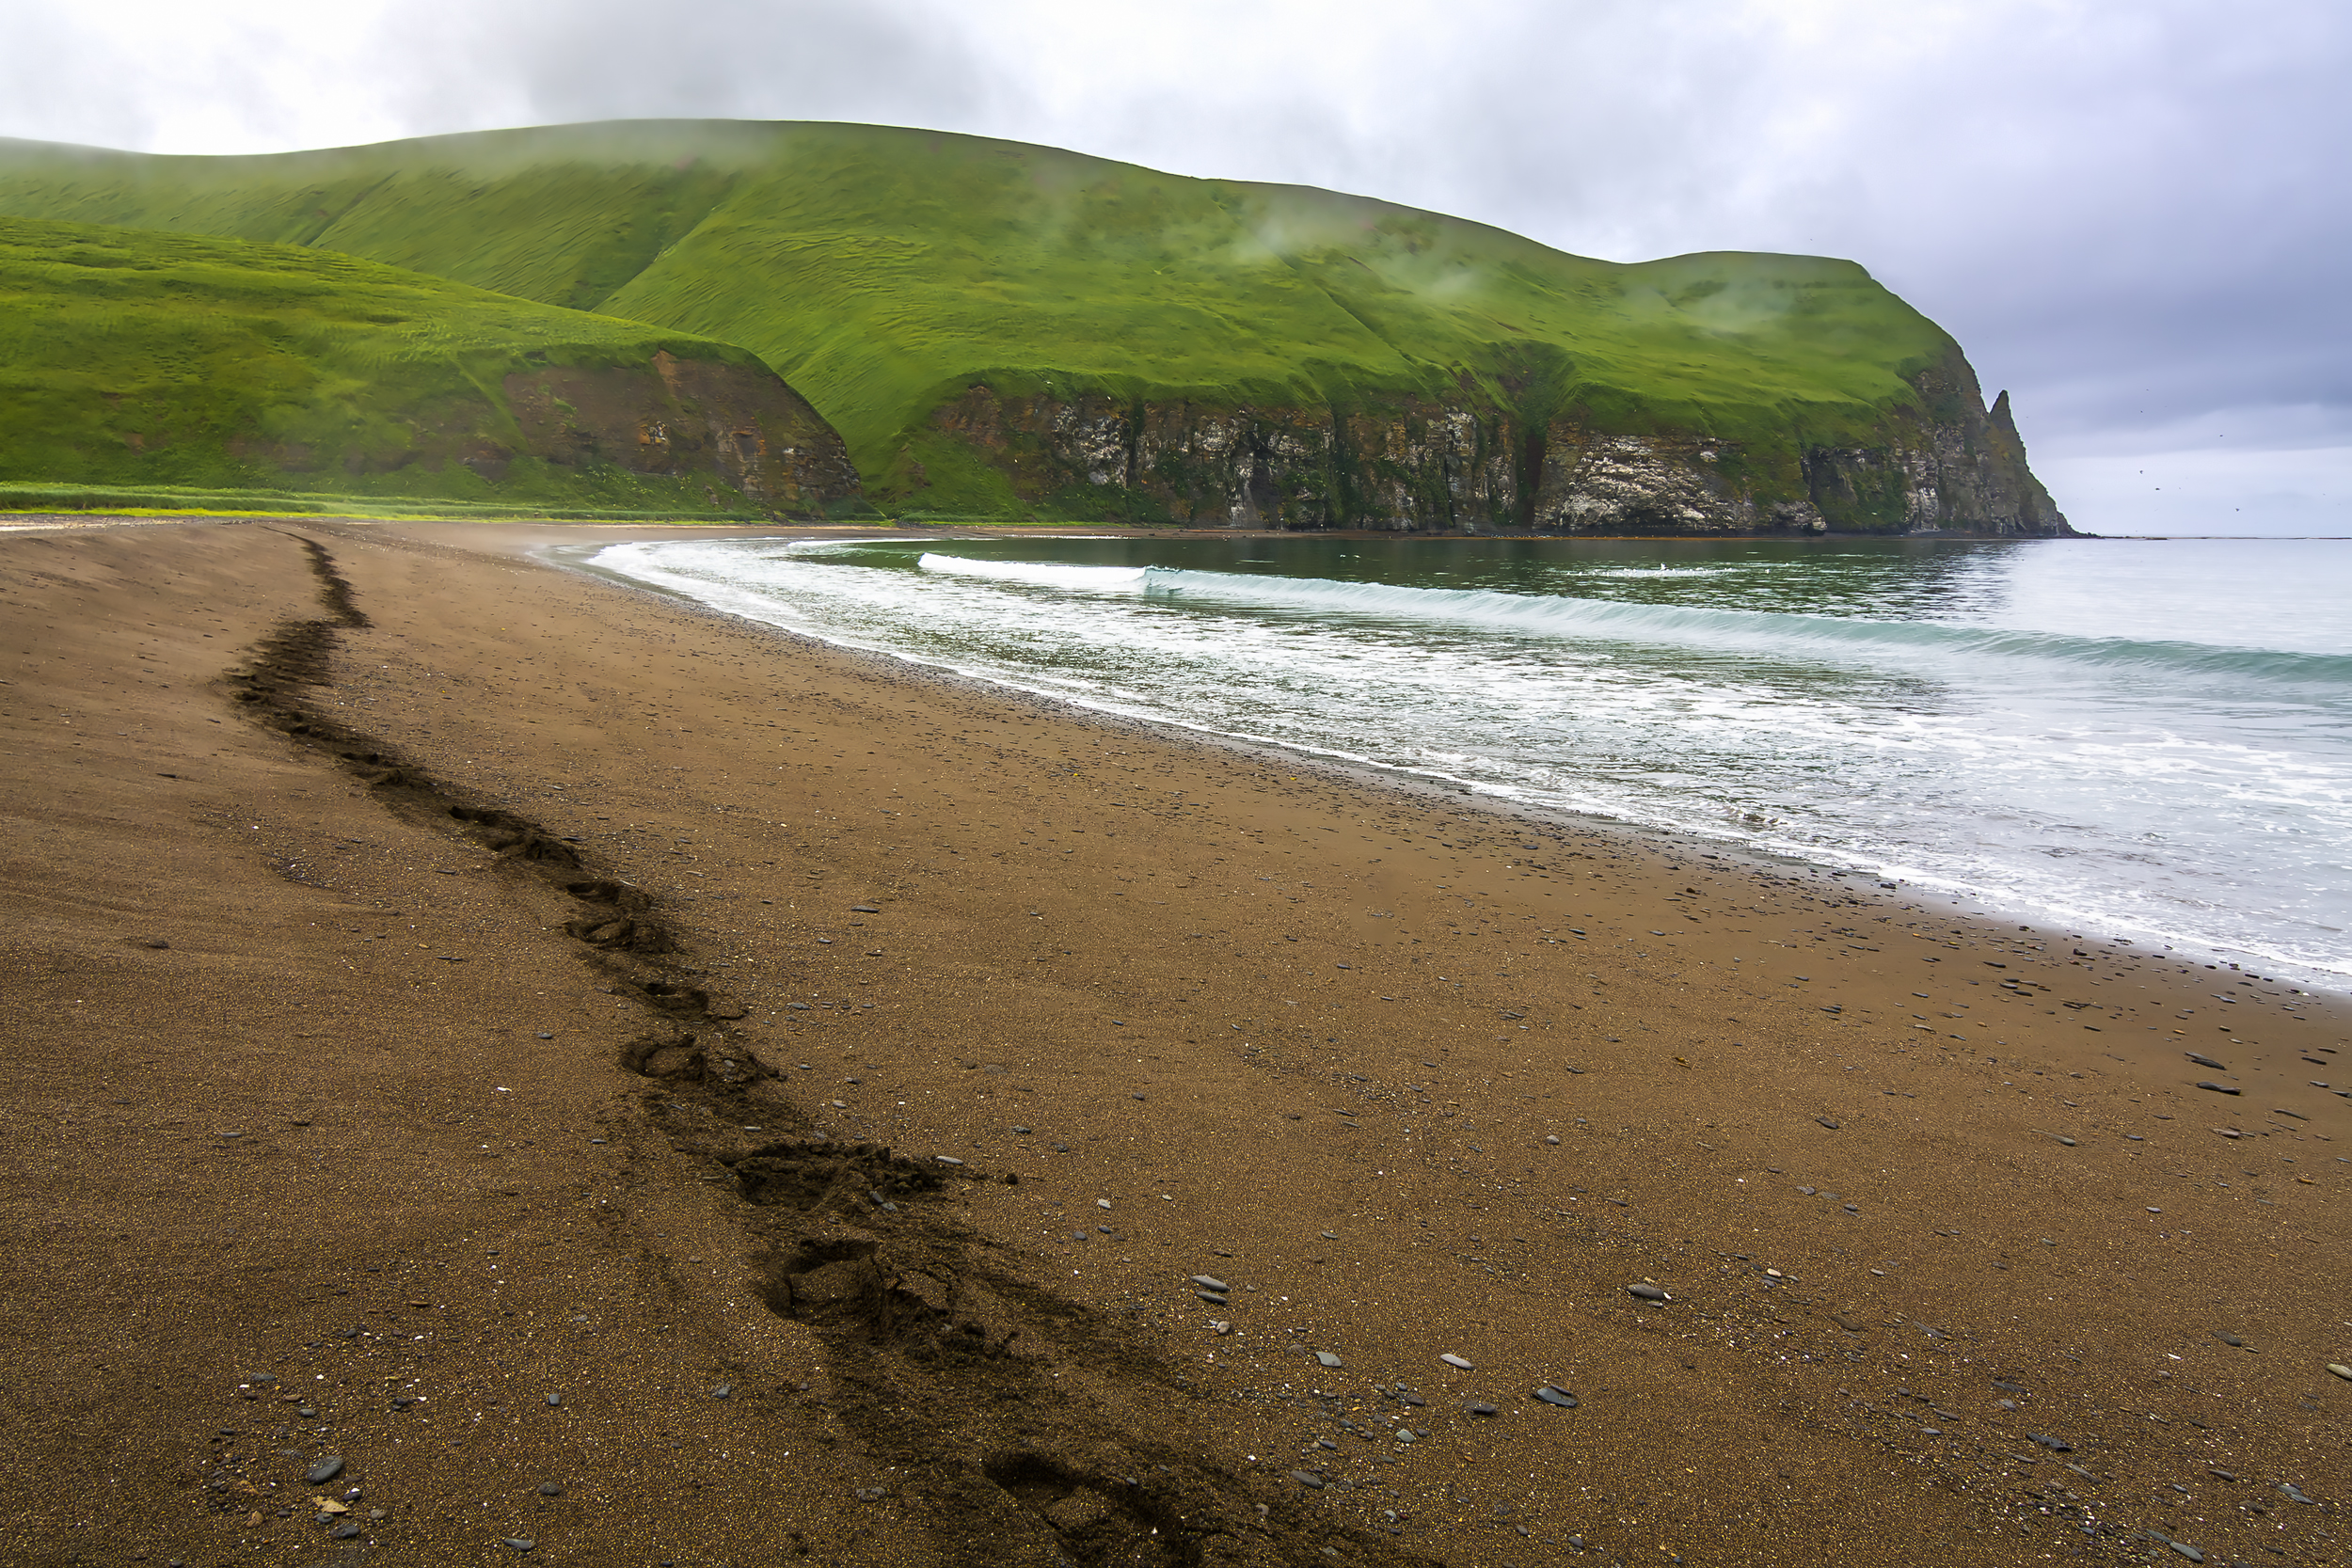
(2148, 738)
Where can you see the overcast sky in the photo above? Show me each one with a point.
(2133, 213)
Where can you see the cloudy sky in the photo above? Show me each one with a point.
(2132, 212)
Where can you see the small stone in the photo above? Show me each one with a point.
(1480, 1407)
(1331, 1235)
(550, 1489)
(723, 1391)
(1019, 1131)
(1325, 1358)
(1646, 1292)
(1827, 1122)
(324, 1470)
(946, 1159)
(1211, 1282)
(864, 909)
(2228, 1338)
(2067, 1141)
(2204, 1061)
(1308, 1478)
(555, 1399)
(1102, 1203)
(1406, 1434)
(347, 1530)
(2186, 1550)
(1560, 1397)
(520, 1542)
(545, 1036)
(1552, 1138)
(2218, 1088)
(1456, 1362)
(2056, 1444)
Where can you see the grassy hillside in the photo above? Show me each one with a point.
(882, 272)
(139, 358)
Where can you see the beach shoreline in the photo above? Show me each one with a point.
(1549, 1076)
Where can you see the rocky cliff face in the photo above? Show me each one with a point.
(686, 417)
(1469, 466)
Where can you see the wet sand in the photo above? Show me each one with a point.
(463, 1044)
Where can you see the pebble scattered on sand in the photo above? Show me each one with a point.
(1646, 1292)
(1328, 1359)
(1560, 1397)
(550, 1489)
(324, 1470)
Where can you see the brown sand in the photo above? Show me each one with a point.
(1414, 1078)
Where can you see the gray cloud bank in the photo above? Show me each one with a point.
(2133, 215)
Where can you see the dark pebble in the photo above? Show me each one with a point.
(2056, 1444)
(519, 1542)
(1826, 1122)
(1023, 1131)
(1213, 1298)
(724, 1391)
(546, 1036)
(345, 1531)
(550, 1489)
(1480, 1407)
(1646, 1293)
(555, 1399)
(2204, 1061)
(864, 909)
(1211, 1282)
(1308, 1478)
(2294, 1494)
(327, 1470)
(2228, 1338)
(1560, 1397)
(2218, 1088)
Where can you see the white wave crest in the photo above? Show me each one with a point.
(1039, 574)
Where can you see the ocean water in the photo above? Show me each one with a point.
(2148, 738)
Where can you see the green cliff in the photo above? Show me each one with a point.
(1003, 329)
(133, 358)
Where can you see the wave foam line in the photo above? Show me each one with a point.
(1767, 631)
(1039, 574)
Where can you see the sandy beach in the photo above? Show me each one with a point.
(505, 1062)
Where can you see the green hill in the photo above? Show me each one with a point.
(131, 358)
(997, 328)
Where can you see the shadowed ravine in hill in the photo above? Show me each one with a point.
(1030, 1430)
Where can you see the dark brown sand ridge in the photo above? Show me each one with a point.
(519, 1068)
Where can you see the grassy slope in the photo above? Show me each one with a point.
(132, 358)
(880, 270)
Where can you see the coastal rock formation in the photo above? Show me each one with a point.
(681, 418)
(1425, 466)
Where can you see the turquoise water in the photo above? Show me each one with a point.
(2133, 738)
